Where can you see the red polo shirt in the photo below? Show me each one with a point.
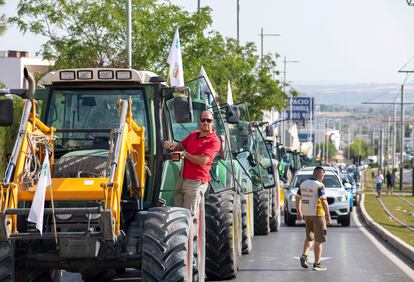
(195, 145)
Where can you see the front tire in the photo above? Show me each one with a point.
(7, 273)
(223, 235)
(275, 219)
(345, 220)
(261, 212)
(167, 251)
(290, 219)
(246, 235)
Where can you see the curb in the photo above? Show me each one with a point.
(396, 242)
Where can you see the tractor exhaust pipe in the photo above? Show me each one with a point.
(32, 84)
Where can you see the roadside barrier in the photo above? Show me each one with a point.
(396, 242)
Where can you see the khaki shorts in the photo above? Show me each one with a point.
(193, 194)
(316, 228)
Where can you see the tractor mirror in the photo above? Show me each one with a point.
(270, 131)
(175, 157)
(6, 112)
(88, 102)
(183, 109)
(232, 114)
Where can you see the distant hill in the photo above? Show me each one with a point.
(355, 94)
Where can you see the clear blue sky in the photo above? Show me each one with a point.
(334, 40)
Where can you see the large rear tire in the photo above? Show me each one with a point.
(223, 235)
(275, 219)
(246, 229)
(167, 251)
(261, 212)
(7, 273)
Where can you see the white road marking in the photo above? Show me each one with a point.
(396, 260)
(311, 257)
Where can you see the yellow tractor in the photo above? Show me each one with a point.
(102, 130)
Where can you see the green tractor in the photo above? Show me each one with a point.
(223, 206)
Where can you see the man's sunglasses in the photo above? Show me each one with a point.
(206, 120)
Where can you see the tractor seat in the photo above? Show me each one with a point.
(82, 164)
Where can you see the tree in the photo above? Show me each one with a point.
(3, 21)
(331, 150)
(93, 34)
(359, 149)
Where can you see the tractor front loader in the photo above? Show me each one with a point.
(103, 131)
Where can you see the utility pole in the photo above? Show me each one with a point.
(394, 137)
(349, 141)
(402, 138)
(381, 147)
(262, 35)
(401, 103)
(238, 21)
(198, 6)
(411, 3)
(129, 34)
(284, 89)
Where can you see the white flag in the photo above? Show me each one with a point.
(209, 87)
(229, 95)
(176, 62)
(38, 204)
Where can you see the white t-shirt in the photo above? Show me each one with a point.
(310, 192)
(379, 178)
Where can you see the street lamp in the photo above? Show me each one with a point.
(238, 17)
(262, 35)
(284, 88)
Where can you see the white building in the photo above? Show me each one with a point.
(12, 64)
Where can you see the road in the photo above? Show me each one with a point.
(348, 254)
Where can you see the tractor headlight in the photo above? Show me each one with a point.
(293, 198)
(93, 216)
(63, 216)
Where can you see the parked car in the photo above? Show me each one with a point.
(337, 196)
(350, 186)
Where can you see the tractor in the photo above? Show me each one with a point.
(106, 209)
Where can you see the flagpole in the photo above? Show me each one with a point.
(53, 215)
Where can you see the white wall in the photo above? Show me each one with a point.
(11, 72)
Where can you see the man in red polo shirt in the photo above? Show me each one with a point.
(198, 150)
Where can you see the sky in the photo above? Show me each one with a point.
(335, 41)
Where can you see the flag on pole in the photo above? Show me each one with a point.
(176, 62)
(229, 95)
(209, 87)
(38, 204)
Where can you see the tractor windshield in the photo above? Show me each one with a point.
(84, 118)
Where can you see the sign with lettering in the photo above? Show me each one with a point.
(302, 108)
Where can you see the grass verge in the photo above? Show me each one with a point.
(377, 213)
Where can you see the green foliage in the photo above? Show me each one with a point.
(8, 134)
(331, 149)
(93, 34)
(359, 148)
(2, 85)
(3, 21)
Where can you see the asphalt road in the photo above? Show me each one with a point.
(348, 254)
